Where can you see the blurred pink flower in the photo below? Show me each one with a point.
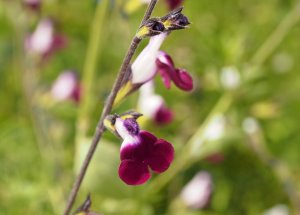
(141, 151)
(34, 5)
(196, 194)
(66, 86)
(44, 41)
(153, 105)
(172, 4)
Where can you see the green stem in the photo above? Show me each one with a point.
(97, 32)
(276, 37)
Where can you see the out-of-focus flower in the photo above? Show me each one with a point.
(167, 70)
(215, 128)
(215, 158)
(66, 86)
(279, 209)
(230, 77)
(34, 5)
(140, 150)
(250, 125)
(84, 209)
(196, 194)
(175, 20)
(153, 106)
(172, 4)
(44, 41)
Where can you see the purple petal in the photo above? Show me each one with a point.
(58, 42)
(139, 151)
(164, 71)
(147, 137)
(163, 116)
(132, 126)
(182, 80)
(133, 172)
(161, 156)
(168, 72)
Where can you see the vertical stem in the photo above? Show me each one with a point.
(106, 110)
(93, 52)
(277, 36)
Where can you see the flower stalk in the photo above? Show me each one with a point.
(106, 110)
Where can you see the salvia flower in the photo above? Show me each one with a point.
(44, 41)
(66, 86)
(196, 194)
(148, 63)
(140, 151)
(143, 68)
(153, 105)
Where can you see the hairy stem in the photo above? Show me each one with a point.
(106, 110)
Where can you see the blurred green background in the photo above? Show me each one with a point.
(252, 153)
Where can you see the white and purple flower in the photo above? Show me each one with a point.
(153, 105)
(66, 86)
(150, 62)
(140, 151)
(44, 41)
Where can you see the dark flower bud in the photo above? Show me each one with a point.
(175, 20)
(150, 27)
(84, 209)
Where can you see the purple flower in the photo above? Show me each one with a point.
(168, 72)
(140, 152)
(44, 41)
(66, 86)
(153, 105)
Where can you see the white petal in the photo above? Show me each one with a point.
(41, 40)
(230, 77)
(197, 192)
(149, 102)
(279, 209)
(144, 67)
(216, 128)
(64, 86)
